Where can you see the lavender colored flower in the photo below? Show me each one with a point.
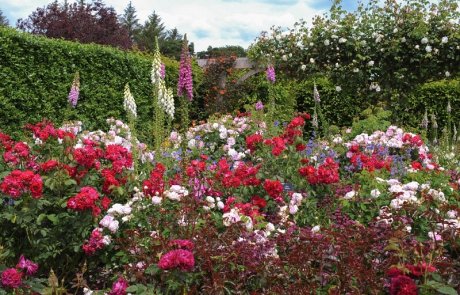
(74, 91)
(119, 287)
(185, 82)
(271, 76)
(259, 106)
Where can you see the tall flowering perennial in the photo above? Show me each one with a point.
(185, 82)
(316, 96)
(74, 90)
(155, 74)
(163, 100)
(166, 99)
(129, 103)
(271, 76)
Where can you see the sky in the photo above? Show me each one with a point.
(207, 22)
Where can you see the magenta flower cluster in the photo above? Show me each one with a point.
(185, 83)
(180, 258)
(259, 106)
(74, 91)
(271, 76)
(12, 277)
(119, 287)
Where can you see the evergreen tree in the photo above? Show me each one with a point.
(153, 27)
(171, 46)
(130, 21)
(3, 20)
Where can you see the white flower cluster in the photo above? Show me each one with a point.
(155, 75)
(74, 127)
(166, 99)
(231, 217)
(405, 194)
(176, 192)
(295, 202)
(375, 86)
(451, 222)
(211, 203)
(129, 103)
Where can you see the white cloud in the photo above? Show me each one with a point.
(215, 23)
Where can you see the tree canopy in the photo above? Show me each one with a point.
(85, 22)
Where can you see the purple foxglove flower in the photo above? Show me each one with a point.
(74, 91)
(185, 82)
(259, 106)
(271, 76)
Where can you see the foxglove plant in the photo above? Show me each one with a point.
(74, 90)
(185, 84)
(129, 103)
(271, 78)
(130, 107)
(271, 75)
(160, 97)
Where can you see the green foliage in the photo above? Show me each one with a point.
(3, 19)
(433, 97)
(380, 52)
(373, 119)
(36, 74)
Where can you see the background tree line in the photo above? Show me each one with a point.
(95, 22)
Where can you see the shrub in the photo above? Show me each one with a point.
(36, 75)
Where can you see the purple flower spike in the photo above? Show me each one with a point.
(185, 83)
(259, 106)
(74, 91)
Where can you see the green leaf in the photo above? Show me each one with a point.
(132, 289)
(52, 218)
(447, 290)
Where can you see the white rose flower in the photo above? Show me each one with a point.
(375, 193)
(284, 57)
(270, 227)
(428, 48)
(327, 42)
(303, 67)
(424, 40)
(444, 40)
(447, 73)
(349, 195)
(370, 63)
(315, 229)
(312, 60)
(156, 200)
(338, 88)
(403, 39)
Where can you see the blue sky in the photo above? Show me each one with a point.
(207, 22)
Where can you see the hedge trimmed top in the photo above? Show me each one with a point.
(36, 74)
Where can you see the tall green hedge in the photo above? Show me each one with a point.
(340, 108)
(36, 74)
